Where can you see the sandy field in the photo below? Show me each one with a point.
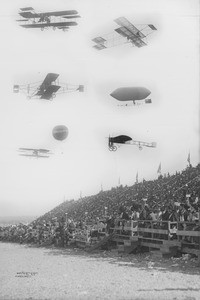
(41, 273)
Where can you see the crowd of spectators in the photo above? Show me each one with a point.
(172, 198)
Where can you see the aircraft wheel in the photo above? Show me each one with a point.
(140, 148)
(113, 148)
(53, 95)
(42, 28)
(54, 28)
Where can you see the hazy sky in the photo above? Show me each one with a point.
(168, 66)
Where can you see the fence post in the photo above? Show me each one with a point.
(168, 223)
(152, 235)
(131, 227)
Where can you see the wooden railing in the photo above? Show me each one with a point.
(154, 234)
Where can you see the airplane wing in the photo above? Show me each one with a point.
(26, 149)
(27, 155)
(22, 20)
(129, 26)
(36, 150)
(26, 8)
(131, 32)
(54, 24)
(138, 42)
(36, 156)
(60, 13)
(26, 13)
(71, 17)
(47, 94)
(51, 77)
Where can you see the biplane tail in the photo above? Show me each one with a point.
(80, 88)
(100, 43)
(16, 88)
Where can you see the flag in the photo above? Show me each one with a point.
(159, 169)
(188, 159)
(136, 180)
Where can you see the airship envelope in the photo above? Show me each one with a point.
(130, 93)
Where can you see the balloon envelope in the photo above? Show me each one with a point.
(130, 93)
(60, 132)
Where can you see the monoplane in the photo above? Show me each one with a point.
(135, 95)
(47, 89)
(114, 142)
(54, 19)
(126, 33)
(36, 153)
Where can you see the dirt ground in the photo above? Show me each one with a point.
(44, 273)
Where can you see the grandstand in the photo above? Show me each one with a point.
(161, 215)
(156, 194)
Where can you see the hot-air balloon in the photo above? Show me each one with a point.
(136, 94)
(114, 142)
(60, 132)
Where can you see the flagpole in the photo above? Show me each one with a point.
(159, 170)
(188, 159)
(136, 179)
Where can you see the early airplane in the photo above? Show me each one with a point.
(36, 153)
(47, 89)
(55, 19)
(124, 139)
(126, 33)
(137, 95)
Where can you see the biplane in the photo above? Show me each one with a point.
(127, 140)
(47, 89)
(126, 33)
(36, 153)
(55, 19)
